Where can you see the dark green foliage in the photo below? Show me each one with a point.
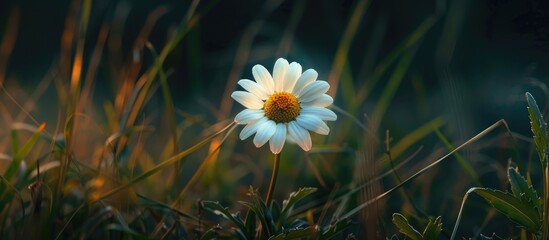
(276, 223)
(539, 128)
(431, 231)
(514, 208)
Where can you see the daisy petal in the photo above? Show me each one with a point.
(263, 77)
(279, 72)
(249, 116)
(313, 91)
(322, 101)
(247, 99)
(254, 88)
(299, 135)
(320, 112)
(251, 128)
(264, 132)
(290, 138)
(305, 79)
(277, 141)
(313, 123)
(291, 77)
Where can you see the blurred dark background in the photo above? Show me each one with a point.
(491, 50)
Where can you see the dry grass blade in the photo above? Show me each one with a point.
(471, 140)
(163, 165)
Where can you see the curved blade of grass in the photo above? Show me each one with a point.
(145, 82)
(406, 142)
(4, 200)
(391, 88)
(464, 163)
(70, 219)
(163, 165)
(22, 153)
(458, 220)
(345, 44)
(335, 228)
(471, 140)
(382, 67)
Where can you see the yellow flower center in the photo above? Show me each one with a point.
(282, 107)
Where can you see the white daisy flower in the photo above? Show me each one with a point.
(284, 106)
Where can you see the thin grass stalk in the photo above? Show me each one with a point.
(168, 102)
(197, 174)
(458, 220)
(471, 140)
(392, 57)
(145, 82)
(545, 201)
(405, 193)
(274, 176)
(162, 165)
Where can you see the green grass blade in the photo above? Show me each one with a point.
(409, 140)
(404, 227)
(391, 88)
(163, 165)
(147, 79)
(335, 228)
(382, 195)
(382, 67)
(23, 152)
(464, 163)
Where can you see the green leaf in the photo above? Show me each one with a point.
(335, 228)
(433, 229)
(512, 207)
(493, 237)
(404, 227)
(212, 233)
(288, 205)
(539, 128)
(250, 224)
(275, 210)
(521, 189)
(128, 232)
(217, 209)
(296, 233)
(262, 212)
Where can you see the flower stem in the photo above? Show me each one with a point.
(273, 180)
